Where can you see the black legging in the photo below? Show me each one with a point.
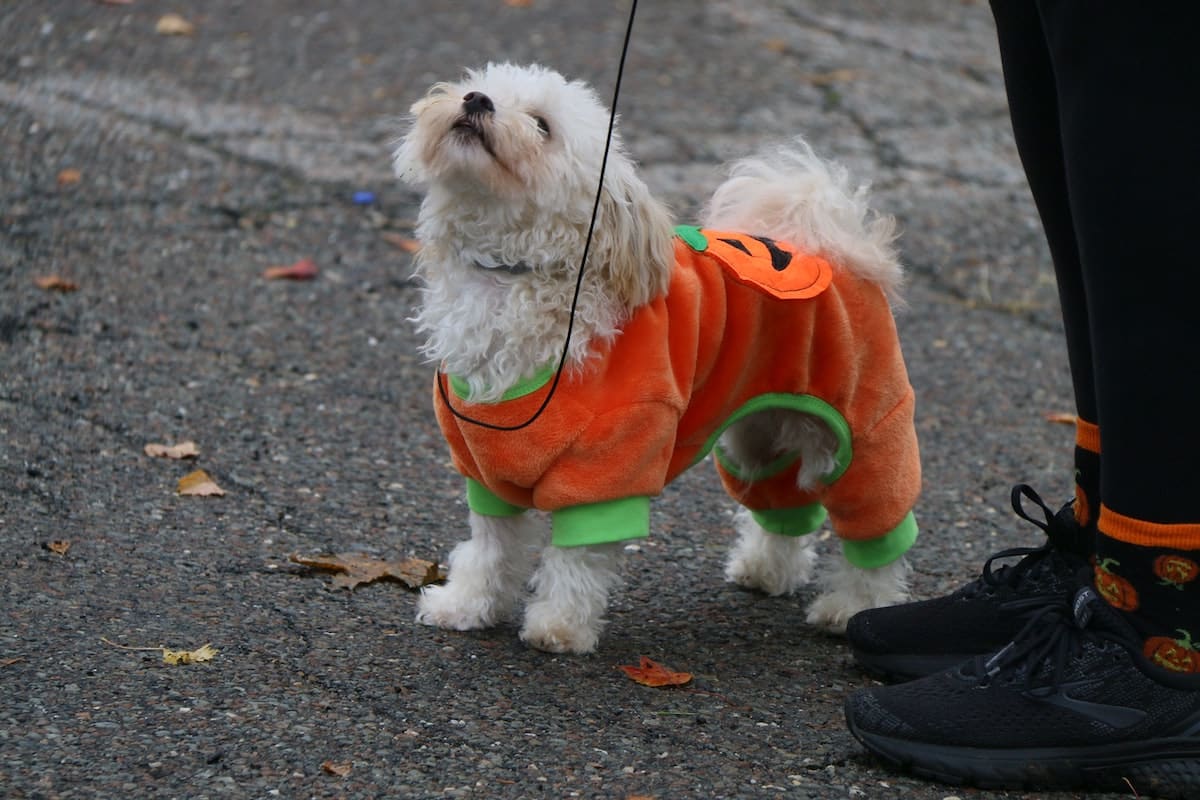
(1105, 105)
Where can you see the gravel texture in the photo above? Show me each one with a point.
(205, 159)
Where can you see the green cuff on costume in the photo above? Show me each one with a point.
(481, 500)
(601, 523)
(791, 521)
(880, 552)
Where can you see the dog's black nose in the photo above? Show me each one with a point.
(478, 103)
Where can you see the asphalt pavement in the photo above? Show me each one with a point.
(158, 174)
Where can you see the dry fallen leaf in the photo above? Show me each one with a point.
(182, 450)
(198, 484)
(60, 546)
(401, 241)
(651, 673)
(69, 177)
(518, 3)
(8, 662)
(1061, 417)
(55, 283)
(356, 568)
(340, 770)
(822, 79)
(302, 270)
(174, 25)
(204, 652)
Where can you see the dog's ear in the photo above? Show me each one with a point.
(407, 159)
(633, 239)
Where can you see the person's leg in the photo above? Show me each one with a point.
(920, 638)
(1029, 81)
(1130, 122)
(1090, 694)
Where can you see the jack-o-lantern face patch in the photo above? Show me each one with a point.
(769, 265)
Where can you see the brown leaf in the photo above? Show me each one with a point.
(1061, 417)
(651, 673)
(340, 770)
(182, 450)
(8, 662)
(822, 79)
(302, 270)
(356, 568)
(55, 283)
(199, 484)
(69, 177)
(401, 241)
(518, 3)
(60, 546)
(173, 25)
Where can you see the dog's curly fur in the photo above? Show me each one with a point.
(508, 158)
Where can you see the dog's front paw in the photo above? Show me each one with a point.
(443, 607)
(546, 629)
(831, 610)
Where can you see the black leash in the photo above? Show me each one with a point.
(562, 361)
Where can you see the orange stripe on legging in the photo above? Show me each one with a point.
(1087, 435)
(1176, 536)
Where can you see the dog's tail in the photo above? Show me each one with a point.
(788, 193)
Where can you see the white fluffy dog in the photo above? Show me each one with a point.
(509, 158)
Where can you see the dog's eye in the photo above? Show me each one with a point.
(543, 126)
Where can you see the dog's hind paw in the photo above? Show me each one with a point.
(442, 607)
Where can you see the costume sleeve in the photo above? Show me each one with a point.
(599, 489)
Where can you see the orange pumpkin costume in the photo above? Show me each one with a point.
(747, 324)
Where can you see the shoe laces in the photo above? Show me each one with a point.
(1057, 632)
(1008, 576)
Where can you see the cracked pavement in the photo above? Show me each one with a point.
(205, 159)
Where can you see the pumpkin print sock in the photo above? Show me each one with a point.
(1157, 586)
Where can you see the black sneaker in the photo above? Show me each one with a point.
(1070, 703)
(920, 638)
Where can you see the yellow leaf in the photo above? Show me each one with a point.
(204, 652)
(174, 25)
(60, 546)
(356, 568)
(186, 449)
(198, 484)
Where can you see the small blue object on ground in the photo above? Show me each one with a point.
(364, 198)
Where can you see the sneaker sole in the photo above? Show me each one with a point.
(1164, 768)
(897, 668)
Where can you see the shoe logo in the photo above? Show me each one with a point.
(1111, 715)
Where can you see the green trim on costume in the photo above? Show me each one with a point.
(791, 521)
(481, 500)
(601, 523)
(462, 390)
(692, 237)
(794, 402)
(884, 550)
